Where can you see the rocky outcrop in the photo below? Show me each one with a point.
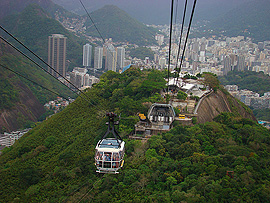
(27, 109)
(216, 103)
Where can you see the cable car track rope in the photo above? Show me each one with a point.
(40, 60)
(189, 26)
(170, 46)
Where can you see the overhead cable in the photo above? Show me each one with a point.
(33, 81)
(170, 46)
(98, 31)
(39, 59)
(41, 67)
(181, 34)
(189, 26)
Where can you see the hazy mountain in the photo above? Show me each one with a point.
(250, 19)
(33, 26)
(158, 11)
(8, 7)
(114, 23)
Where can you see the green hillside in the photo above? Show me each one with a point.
(114, 23)
(31, 71)
(10, 7)
(54, 162)
(21, 101)
(33, 27)
(254, 81)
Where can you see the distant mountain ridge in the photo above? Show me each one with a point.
(250, 19)
(33, 26)
(10, 7)
(114, 23)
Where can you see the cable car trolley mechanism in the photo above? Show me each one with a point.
(110, 151)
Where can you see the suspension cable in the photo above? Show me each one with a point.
(170, 44)
(42, 68)
(92, 21)
(104, 42)
(17, 73)
(181, 34)
(40, 60)
(175, 17)
(190, 21)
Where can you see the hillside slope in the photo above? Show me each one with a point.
(114, 23)
(219, 102)
(34, 25)
(22, 101)
(54, 162)
(250, 19)
(11, 7)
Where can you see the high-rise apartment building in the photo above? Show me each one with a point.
(111, 58)
(98, 57)
(241, 63)
(120, 57)
(87, 54)
(227, 65)
(57, 48)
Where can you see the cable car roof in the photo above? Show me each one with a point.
(110, 144)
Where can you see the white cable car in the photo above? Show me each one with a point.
(109, 156)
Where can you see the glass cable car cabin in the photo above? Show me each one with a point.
(109, 156)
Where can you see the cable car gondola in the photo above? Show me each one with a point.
(109, 156)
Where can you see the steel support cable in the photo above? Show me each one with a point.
(170, 45)
(180, 37)
(92, 21)
(17, 73)
(96, 28)
(42, 68)
(90, 189)
(181, 34)
(175, 17)
(190, 21)
(42, 61)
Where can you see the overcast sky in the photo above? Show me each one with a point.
(153, 11)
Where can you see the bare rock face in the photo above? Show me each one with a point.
(218, 102)
(28, 108)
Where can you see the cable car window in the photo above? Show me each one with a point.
(99, 163)
(121, 154)
(115, 164)
(115, 157)
(107, 165)
(99, 155)
(108, 156)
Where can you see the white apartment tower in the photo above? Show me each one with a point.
(111, 58)
(87, 53)
(120, 57)
(98, 57)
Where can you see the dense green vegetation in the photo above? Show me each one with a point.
(181, 95)
(9, 95)
(114, 23)
(254, 81)
(33, 27)
(262, 114)
(11, 85)
(223, 161)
